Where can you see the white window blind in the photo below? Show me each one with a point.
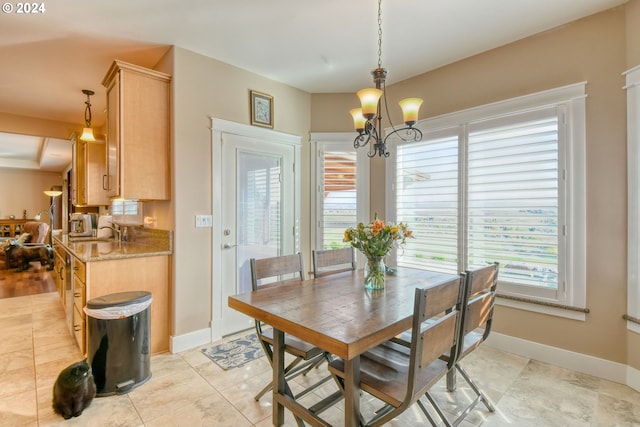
(513, 197)
(501, 182)
(427, 200)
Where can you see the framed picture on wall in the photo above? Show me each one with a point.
(261, 109)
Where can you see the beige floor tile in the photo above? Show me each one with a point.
(210, 411)
(188, 389)
(19, 409)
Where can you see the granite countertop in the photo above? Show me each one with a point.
(141, 243)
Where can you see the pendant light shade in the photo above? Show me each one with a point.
(369, 100)
(410, 108)
(358, 119)
(87, 135)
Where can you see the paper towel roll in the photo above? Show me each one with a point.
(105, 221)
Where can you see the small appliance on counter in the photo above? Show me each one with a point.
(80, 225)
(104, 224)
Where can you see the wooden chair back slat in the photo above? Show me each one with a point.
(340, 259)
(275, 266)
(478, 312)
(439, 338)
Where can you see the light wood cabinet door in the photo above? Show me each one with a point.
(137, 152)
(88, 174)
(78, 190)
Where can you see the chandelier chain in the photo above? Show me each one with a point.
(87, 113)
(379, 33)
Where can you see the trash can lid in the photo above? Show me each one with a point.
(119, 299)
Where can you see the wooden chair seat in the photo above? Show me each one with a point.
(384, 374)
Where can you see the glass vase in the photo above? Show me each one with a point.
(374, 273)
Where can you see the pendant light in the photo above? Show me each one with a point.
(87, 131)
(364, 118)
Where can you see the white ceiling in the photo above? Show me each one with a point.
(317, 46)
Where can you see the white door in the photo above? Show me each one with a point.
(257, 214)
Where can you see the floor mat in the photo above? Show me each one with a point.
(235, 353)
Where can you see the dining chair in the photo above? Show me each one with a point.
(398, 377)
(331, 261)
(306, 356)
(477, 317)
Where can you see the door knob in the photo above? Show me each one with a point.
(228, 246)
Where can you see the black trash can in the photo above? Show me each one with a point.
(119, 341)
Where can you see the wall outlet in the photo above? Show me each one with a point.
(204, 221)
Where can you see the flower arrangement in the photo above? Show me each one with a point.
(375, 240)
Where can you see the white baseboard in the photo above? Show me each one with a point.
(586, 364)
(633, 378)
(190, 340)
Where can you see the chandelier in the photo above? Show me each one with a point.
(364, 118)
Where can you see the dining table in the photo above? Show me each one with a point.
(337, 314)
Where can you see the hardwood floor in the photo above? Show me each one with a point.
(35, 280)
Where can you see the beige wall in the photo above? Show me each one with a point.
(25, 191)
(633, 33)
(204, 87)
(591, 50)
(38, 127)
(27, 186)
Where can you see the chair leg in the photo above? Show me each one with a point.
(451, 380)
(437, 408)
(475, 388)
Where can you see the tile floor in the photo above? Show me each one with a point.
(187, 389)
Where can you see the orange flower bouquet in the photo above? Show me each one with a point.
(375, 240)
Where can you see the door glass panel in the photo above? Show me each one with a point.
(258, 211)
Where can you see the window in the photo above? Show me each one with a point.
(341, 183)
(503, 182)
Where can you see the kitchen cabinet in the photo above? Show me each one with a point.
(64, 284)
(78, 273)
(88, 174)
(147, 273)
(102, 267)
(98, 278)
(59, 261)
(137, 146)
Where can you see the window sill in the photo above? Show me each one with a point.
(549, 308)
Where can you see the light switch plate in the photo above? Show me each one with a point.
(204, 221)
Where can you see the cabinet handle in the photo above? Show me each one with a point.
(77, 328)
(77, 294)
(60, 273)
(104, 186)
(75, 268)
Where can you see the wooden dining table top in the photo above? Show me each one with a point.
(335, 312)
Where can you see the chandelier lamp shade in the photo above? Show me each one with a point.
(87, 131)
(367, 119)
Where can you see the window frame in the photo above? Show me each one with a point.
(632, 87)
(341, 141)
(571, 100)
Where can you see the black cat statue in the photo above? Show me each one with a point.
(74, 390)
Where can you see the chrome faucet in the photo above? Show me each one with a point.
(117, 230)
